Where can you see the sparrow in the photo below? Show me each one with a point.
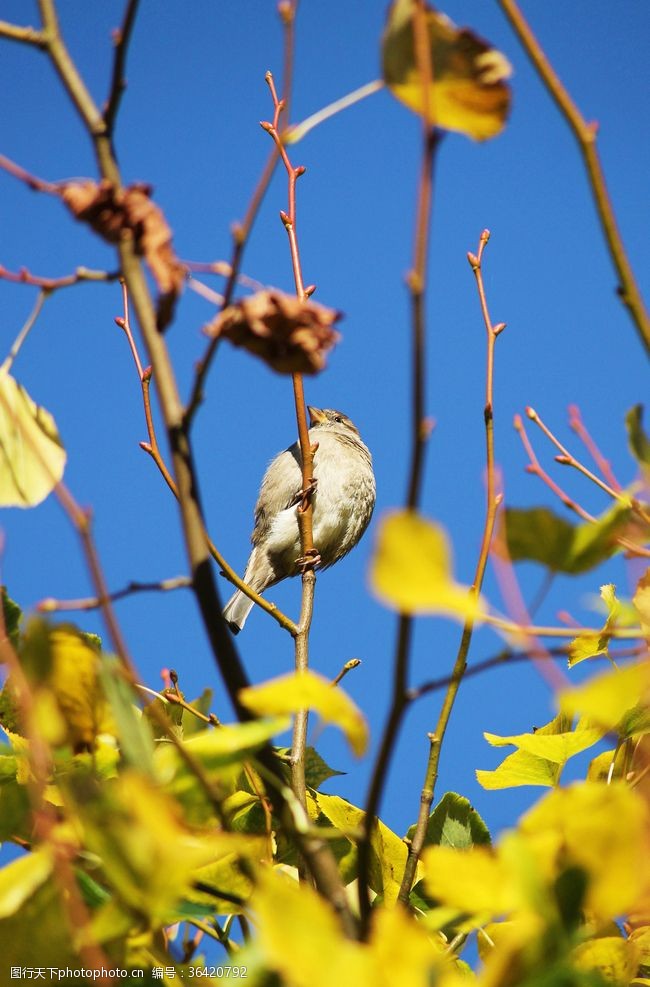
(342, 498)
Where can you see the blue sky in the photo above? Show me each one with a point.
(189, 126)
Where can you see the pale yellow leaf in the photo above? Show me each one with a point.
(468, 91)
(600, 828)
(307, 690)
(615, 959)
(605, 698)
(300, 937)
(473, 881)
(411, 569)
(32, 457)
(20, 879)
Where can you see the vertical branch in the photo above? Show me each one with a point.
(585, 134)
(420, 430)
(492, 502)
(308, 552)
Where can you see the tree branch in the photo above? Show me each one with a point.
(585, 134)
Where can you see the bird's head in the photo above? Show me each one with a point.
(331, 419)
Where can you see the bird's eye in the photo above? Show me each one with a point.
(338, 419)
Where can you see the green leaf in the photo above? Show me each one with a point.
(316, 769)
(12, 617)
(32, 457)
(539, 535)
(468, 92)
(454, 823)
(637, 436)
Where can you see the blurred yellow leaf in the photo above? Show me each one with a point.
(63, 671)
(20, 879)
(473, 881)
(401, 952)
(468, 92)
(411, 569)
(32, 456)
(300, 937)
(614, 958)
(600, 828)
(149, 856)
(306, 690)
(606, 698)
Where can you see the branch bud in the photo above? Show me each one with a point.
(309, 290)
(286, 219)
(500, 326)
(531, 413)
(265, 125)
(300, 170)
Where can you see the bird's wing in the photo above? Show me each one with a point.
(280, 486)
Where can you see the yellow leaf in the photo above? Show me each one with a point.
(614, 958)
(606, 698)
(411, 569)
(388, 851)
(63, 670)
(149, 855)
(473, 881)
(21, 878)
(306, 690)
(402, 953)
(300, 937)
(32, 456)
(541, 755)
(468, 92)
(641, 601)
(593, 643)
(557, 747)
(600, 828)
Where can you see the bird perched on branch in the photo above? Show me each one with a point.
(342, 497)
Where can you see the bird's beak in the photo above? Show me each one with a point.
(316, 416)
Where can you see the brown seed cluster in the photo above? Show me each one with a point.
(291, 335)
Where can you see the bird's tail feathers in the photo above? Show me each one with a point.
(259, 575)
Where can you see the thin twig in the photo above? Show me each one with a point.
(420, 430)
(24, 332)
(585, 134)
(297, 131)
(23, 276)
(534, 467)
(121, 38)
(578, 426)
(493, 500)
(50, 605)
(503, 658)
(568, 459)
(16, 32)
